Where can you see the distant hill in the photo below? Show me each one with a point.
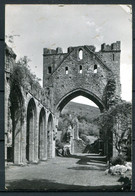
(77, 109)
(85, 114)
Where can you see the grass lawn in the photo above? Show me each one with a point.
(61, 174)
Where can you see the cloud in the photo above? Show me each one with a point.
(90, 23)
(41, 26)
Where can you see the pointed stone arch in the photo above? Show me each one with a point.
(17, 117)
(42, 135)
(31, 131)
(49, 136)
(76, 92)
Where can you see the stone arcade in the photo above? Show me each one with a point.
(80, 71)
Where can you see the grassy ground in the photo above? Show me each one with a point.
(61, 174)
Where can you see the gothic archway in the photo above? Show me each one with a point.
(31, 129)
(85, 93)
(49, 136)
(69, 96)
(41, 144)
(17, 116)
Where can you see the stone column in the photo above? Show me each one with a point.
(23, 142)
(31, 138)
(72, 141)
(43, 146)
(76, 129)
(41, 137)
(55, 125)
(45, 136)
(7, 112)
(17, 140)
(36, 137)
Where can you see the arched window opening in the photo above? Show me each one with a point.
(95, 68)
(66, 70)
(49, 70)
(113, 57)
(80, 54)
(80, 71)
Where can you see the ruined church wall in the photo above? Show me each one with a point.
(110, 55)
(61, 83)
(19, 133)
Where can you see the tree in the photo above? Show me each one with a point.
(117, 122)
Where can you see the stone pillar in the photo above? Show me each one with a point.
(31, 138)
(51, 141)
(23, 142)
(36, 137)
(42, 138)
(45, 136)
(72, 141)
(49, 146)
(7, 114)
(49, 136)
(24, 133)
(53, 144)
(17, 140)
(55, 125)
(43, 145)
(76, 129)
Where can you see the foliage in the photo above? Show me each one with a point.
(65, 121)
(85, 128)
(92, 148)
(88, 128)
(109, 97)
(117, 121)
(23, 76)
(10, 38)
(59, 145)
(117, 160)
(85, 139)
(126, 180)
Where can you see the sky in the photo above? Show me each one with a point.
(35, 27)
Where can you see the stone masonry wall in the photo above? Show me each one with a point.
(19, 93)
(91, 73)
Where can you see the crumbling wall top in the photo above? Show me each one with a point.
(10, 52)
(48, 51)
(113, 47)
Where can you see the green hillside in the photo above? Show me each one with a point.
(85, 114)
(81, 110)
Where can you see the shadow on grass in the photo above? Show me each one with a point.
(93, 163)
(46, 185)
(88, 158)
(87, 168)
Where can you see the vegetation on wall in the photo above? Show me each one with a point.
(21, 79)
(23, 76)
(117, 122)
(109, 97)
